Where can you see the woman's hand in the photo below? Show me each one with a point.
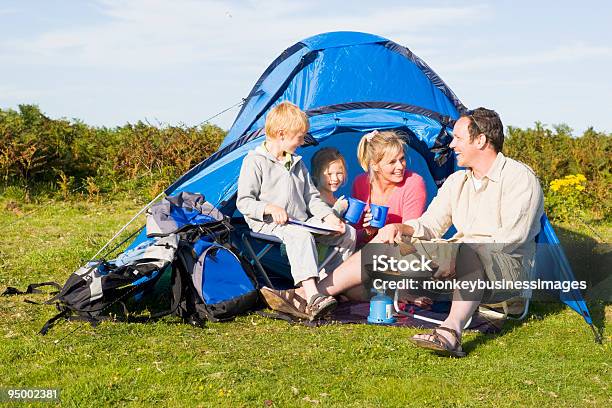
(335, 222)
(279, 215)
(423, 302)
(367, 218)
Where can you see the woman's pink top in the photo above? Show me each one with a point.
(407, 201)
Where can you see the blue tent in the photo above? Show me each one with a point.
(350, 83)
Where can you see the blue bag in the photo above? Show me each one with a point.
(214, 281)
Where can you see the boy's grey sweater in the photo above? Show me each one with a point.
(265, 180)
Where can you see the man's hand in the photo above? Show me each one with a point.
(335, 222)
(445, 274)
(390, 234)
(279, 215)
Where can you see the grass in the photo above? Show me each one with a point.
(548, 360)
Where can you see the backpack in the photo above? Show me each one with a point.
(103, 289)
(209, 279)
(214, 281)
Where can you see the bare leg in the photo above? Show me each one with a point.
(346, 276)
(359, 293)
(469, 268)
(347, 279)
(309, 286)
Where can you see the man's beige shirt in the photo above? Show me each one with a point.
(505, 212)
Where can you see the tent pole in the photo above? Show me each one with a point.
(126, 225)
(596, 333)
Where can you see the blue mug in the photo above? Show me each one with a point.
(379, 215)
(354, 210)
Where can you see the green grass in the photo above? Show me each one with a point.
(548, 360)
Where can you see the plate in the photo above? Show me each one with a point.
(312, 227)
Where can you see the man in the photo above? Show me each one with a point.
(496, 201)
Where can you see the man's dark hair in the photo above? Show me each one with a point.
(487, 122)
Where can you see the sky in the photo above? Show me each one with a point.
(180, 62)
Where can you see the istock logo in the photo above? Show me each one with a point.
(385, 263)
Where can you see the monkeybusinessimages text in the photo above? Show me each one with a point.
(384, 263)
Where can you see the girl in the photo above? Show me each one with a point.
(328, 169)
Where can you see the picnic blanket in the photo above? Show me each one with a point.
(357, 313)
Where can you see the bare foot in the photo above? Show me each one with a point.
(301, 292)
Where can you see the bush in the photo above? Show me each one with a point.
(37, 151)
(38, 154)
(554, 154)
(566, 199)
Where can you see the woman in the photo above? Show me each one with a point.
(386, 182)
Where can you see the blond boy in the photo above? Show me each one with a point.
(274, 186)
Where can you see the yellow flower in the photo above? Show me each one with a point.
(569, 184)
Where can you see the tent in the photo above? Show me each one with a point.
(350, 83)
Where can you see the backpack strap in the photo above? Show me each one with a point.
(51, 322)
(177, 294)
(32, 288)
(67, 314)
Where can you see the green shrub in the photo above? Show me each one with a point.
(14, 193)
(566, 199)
(36, 151)
(40, 155)
(554, 154)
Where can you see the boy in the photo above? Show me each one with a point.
(275, 185)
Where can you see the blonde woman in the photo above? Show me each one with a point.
(386, 182)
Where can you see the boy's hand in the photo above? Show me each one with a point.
(279, 215)
(335, 222)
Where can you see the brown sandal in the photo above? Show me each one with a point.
(286, 301)
(440, 344)
(320, 305)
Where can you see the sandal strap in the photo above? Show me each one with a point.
(438, 339)
(316, 298)
(317, 301)
(451, 331)
(292, 297)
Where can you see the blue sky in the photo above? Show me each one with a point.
(109, 62)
